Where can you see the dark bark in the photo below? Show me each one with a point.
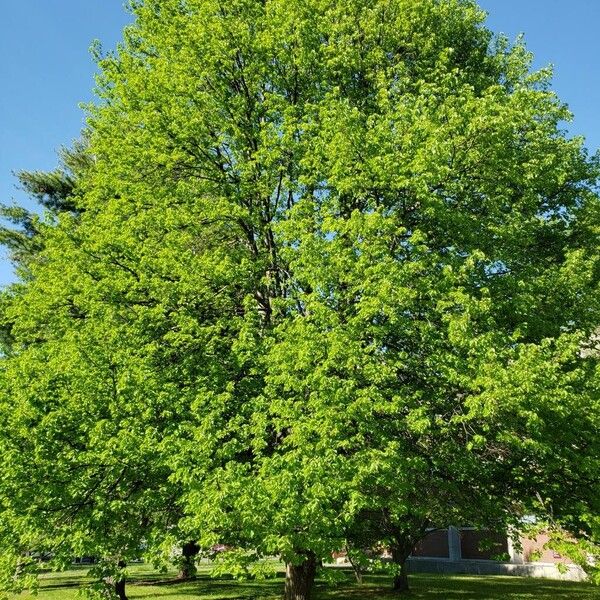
(401, 579)
(188, 569)
(120, 589)
(400, 555)
(404, 538)
(119, 583)
(300, 578)
(358, 574)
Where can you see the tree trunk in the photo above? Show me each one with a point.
(299, 579)
(401, 579)
(189, 551)
(120, 589)
(358, 574)
(119, 584)
(399, 557)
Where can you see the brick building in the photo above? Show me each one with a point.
(467, 550)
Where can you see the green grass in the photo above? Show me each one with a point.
(147, 584)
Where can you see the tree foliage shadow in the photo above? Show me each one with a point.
(205, 586)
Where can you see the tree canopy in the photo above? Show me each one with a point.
(330, 266)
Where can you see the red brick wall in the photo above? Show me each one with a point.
(476, 545)
(434, 545)
(533, 551)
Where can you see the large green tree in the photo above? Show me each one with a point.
(335, 266)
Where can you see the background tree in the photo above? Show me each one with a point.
(54, 191)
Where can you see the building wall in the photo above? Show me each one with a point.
(468, 550)
(434, 545)
(478, 545)
(533, 551)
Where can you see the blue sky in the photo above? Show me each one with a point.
(46, 69)
(564, 33)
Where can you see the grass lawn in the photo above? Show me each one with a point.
(146, 584)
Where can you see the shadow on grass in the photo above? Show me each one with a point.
(207, 587)
(145, 584)
(59, 585)
(436, 587)
(378, 588)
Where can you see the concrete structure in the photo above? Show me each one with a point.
(470, 551)
(455, 550)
